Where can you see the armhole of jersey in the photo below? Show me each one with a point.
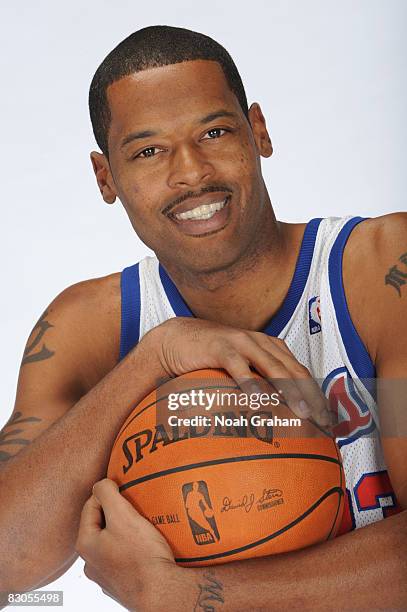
(355, 349)
(130, 309)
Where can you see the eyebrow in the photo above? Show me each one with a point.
(216, 115)
(137, 136)
(148, 133)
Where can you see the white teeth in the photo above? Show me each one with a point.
(203, 212)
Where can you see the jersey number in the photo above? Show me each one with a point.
(373, 491)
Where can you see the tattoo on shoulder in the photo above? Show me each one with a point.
(210, 596)
(43, 352)
(12, 436)
(397, 277)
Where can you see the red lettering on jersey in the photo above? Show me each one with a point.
(373, 487)
(338, 394)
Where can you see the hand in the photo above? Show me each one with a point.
(184, 344)
(126, 555)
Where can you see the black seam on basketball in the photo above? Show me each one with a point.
(235, 551)
(191, 466)
(160, 399)
(341, 485)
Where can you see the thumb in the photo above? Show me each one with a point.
(122, 517)
(115, 507)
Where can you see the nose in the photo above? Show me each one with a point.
(189, 167)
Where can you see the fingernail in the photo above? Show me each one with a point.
(304, 409)
(254, 388)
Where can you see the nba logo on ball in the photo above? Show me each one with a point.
(200, 514)
(314, 315)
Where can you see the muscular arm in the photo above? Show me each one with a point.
(57, 442)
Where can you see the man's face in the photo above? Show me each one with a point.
(185, 163)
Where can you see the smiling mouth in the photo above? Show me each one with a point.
(201, 212)
(203, 219)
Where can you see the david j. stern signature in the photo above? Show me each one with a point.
(247, 501)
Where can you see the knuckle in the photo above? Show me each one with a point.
(100, 485)
(258, 335)
(240, 335)
(217, 344)
(301, 371)
(276, 341)
(96, 487)
(230, 355)
(280, 341)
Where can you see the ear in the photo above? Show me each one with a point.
(259, 129)
(104, 177)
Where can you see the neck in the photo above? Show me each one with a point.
(249, 292)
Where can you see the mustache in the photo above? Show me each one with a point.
(188, 195)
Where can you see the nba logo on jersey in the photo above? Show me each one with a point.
(314, 315)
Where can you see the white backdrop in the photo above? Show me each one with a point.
(329, 74)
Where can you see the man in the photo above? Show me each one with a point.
(181, 150)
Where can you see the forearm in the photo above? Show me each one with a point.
(363, 570)
(44, 487)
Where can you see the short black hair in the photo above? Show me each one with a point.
(153, 47)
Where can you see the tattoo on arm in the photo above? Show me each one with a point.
(210, 596)
(397, 278)
(11, 436)
(43, 353)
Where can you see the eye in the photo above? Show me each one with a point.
(215, 133)
(149, 152)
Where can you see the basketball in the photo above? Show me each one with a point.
(231, 482)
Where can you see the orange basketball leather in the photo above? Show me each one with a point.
(220, 494)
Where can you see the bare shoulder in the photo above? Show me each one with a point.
(86, 317)
(382, 234)
(73, 345)
(375, 275)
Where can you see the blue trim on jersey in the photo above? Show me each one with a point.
(130, 291)
(179, 306)
(344, 441)
(130, 321)
(276, 325)
(351, 510)
(281, 318)
(355, 349)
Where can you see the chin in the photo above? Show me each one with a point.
(211, 265)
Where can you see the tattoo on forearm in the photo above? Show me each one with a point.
(8, 437)
(397, 278)
(43, 353)
(210, 596)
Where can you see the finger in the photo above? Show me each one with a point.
(91, 517)
(115, 507)
(90, 527)
(277, 374)
(239, 370)
(316, 405)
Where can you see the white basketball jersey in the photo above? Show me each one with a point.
(315, 323)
